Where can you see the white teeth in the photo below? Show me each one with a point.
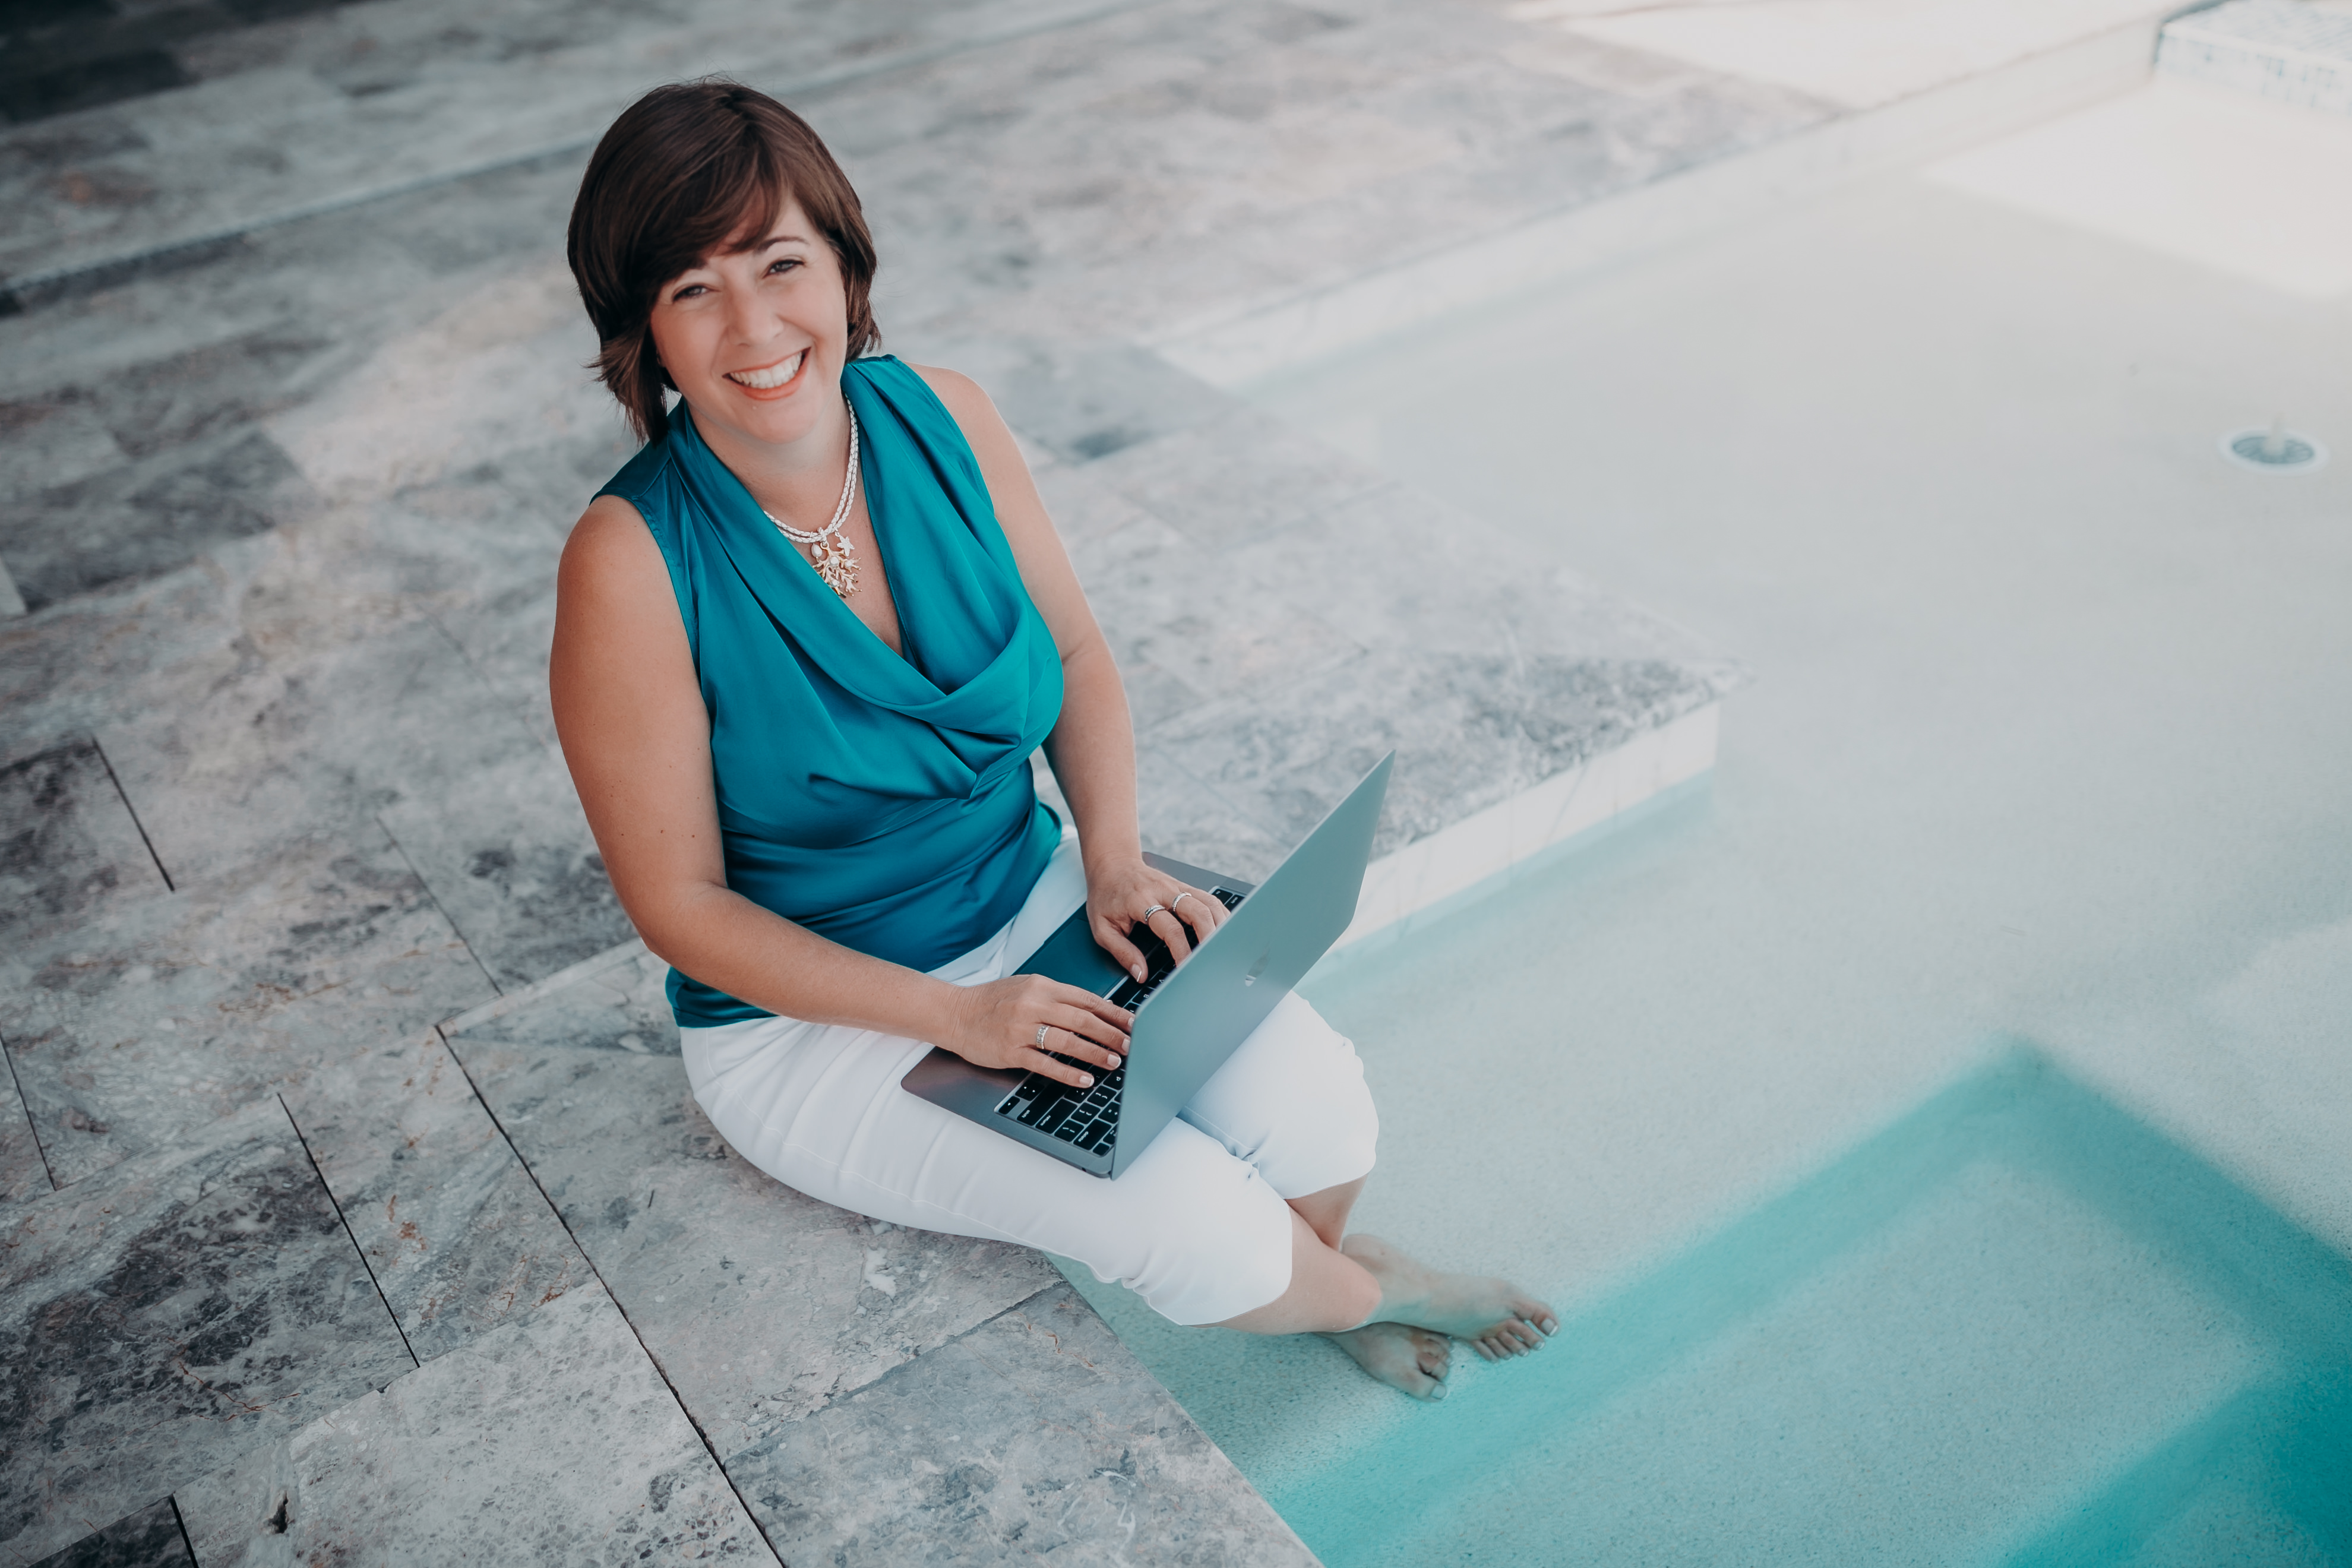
(775, 375)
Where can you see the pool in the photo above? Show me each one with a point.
(2049, 744)
(2017, 1327)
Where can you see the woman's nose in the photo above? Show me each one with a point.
(749, 319)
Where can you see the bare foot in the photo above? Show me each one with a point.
(1495, 1316)
(1400, 1355)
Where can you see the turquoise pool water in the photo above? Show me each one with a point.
(2017, 1327)
(2049, 742)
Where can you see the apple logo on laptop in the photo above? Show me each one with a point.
(1256, 969)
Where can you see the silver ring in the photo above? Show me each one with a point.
(1042, 1028)
(1180, 898)
(1154, 910)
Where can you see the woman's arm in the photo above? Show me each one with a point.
(1092, 747)
(629, 712)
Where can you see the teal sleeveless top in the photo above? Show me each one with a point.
(883, 802)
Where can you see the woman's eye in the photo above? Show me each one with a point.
(782, 264)
(688, 292)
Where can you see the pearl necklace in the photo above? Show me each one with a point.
(834, 558)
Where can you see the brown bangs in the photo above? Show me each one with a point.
(683, 172)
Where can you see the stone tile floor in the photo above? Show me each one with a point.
(355, 1206)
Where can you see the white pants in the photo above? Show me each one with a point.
(1198, 1226)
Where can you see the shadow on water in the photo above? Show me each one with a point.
(2019, 1326)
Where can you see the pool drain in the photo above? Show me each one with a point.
(2277, 451)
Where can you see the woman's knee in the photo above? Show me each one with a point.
(1312, 1121)
(1203, 1236)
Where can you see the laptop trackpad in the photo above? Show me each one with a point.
(1072, 956)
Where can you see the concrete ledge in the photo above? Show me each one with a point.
(2278, 49)
(1455, 860)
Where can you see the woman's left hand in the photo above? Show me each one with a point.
(1131, 893)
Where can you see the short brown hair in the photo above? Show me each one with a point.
(683, 169)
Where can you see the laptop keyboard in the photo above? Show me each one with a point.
(1088, 1118)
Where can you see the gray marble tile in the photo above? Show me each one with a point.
(1080, 401)
(133, 1031)
(474, 553)
(213, 388)
(1470, 730)
(1188, 818)
(53, 441)
(259, 743)
(1394, 566)
(151, 1538)
(615, 1000)
(760, 1305)
(68, 669)
(495, 215)
(1626, 72)
(1215, 169)
(459, 1238)
(1489, 673)
(170, 1317)
(507, 852)
(342, 277)
(551, 1440)
(1084, 508)
(1245, 475)
(1179, 615)
(144, 519)
(1037, 1434)
(68, 845)
(382, 96)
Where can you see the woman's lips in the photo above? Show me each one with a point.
(770, 382)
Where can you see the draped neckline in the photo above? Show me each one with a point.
(904, 479)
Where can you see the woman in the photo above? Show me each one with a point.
(806, 641)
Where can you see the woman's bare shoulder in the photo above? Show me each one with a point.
(612, 548)
(963, 397)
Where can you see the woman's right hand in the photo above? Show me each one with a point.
(996, 1026)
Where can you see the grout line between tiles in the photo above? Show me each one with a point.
(187, 1542)
(328, 1188)
(513, 710)
(651, 1359)
(571, 974)
(27, 1107)
(124, 797)
(456, 930)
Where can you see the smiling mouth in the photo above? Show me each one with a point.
(769, 378)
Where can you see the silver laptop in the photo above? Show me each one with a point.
(1189, 1017)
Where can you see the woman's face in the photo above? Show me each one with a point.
(755, 337)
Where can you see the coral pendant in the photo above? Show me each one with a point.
(836, 561)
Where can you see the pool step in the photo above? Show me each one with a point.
(2289, 51)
